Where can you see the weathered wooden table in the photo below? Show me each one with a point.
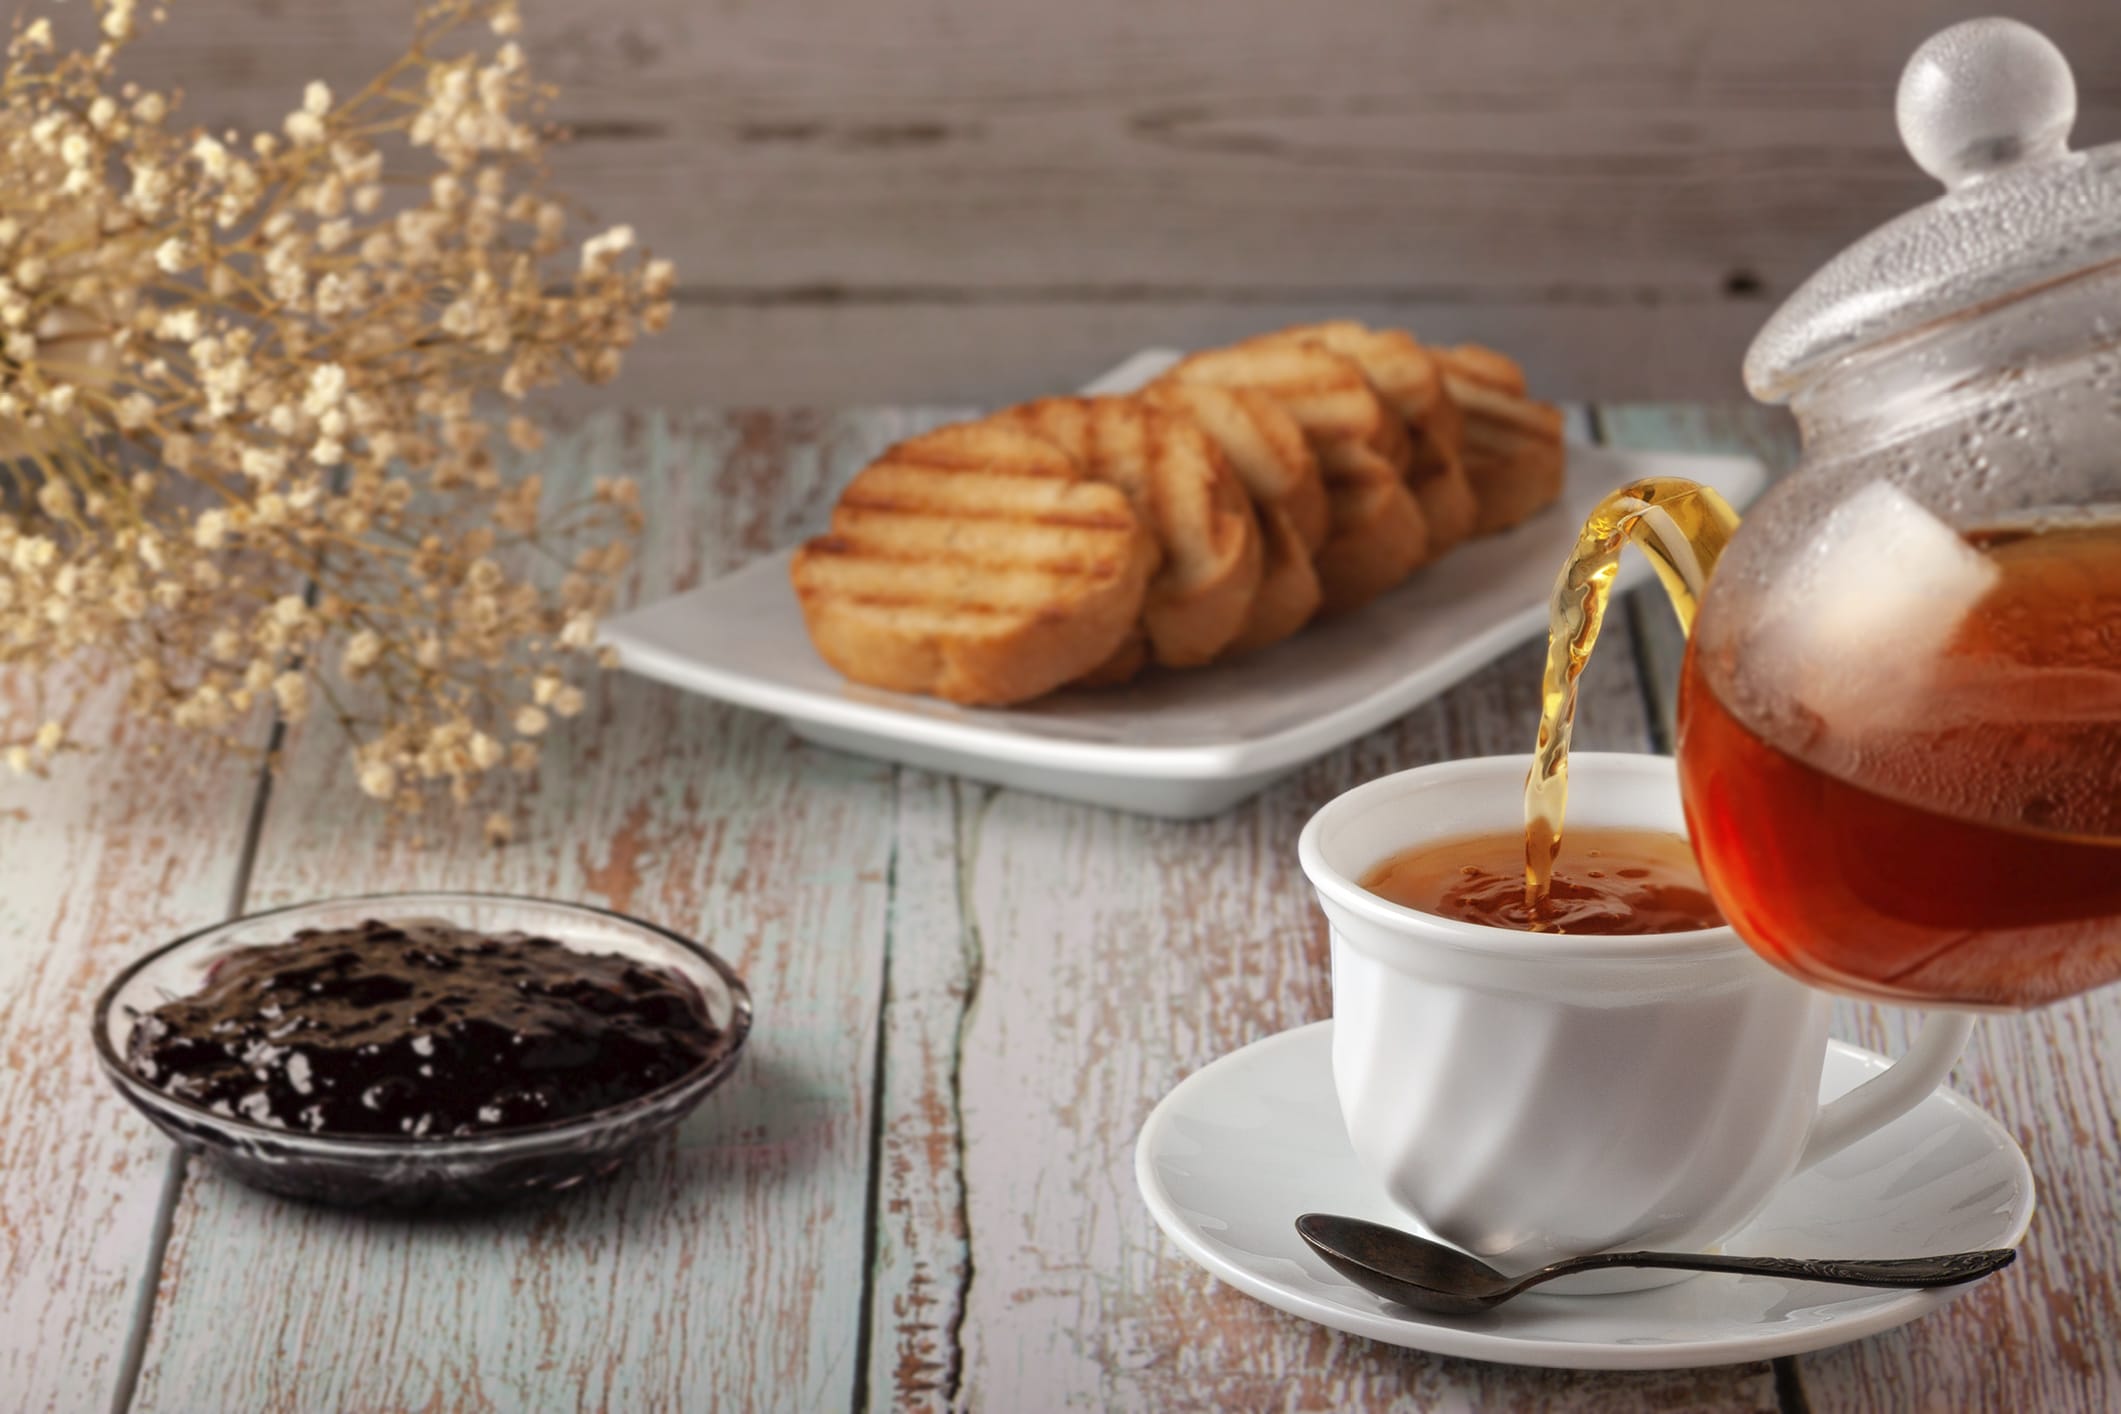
(918, 1188)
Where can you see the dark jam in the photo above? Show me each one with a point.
(422, 1029)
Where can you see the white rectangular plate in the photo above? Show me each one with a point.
(1180, 744)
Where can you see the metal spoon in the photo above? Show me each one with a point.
(1429, 1276)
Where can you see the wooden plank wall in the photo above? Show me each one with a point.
(974, 200)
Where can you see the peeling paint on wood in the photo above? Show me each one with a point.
(112, 856)
(721, 1270)
(922, 1258)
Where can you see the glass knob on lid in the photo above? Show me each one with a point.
(1985, 107)
(1984, 96)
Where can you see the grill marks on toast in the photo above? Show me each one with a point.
(1264, 446)
(1326, 394)
(1377, 534)
(975, 563)
(1410, 380)
(1514, 455)
(1076, 540)
(1184, 490)
(897, 488)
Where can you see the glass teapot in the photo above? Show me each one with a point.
(1900, 713)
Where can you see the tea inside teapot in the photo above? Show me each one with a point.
(1942, 823)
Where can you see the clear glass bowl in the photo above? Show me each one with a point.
(361, 1171)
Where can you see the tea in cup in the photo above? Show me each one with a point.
(1607, 883)
(1530, 1096)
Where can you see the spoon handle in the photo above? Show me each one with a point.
(1947, 1270)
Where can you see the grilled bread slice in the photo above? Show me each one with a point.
(1386, 544)
(1268, 451)
(1514, 453)
(1263, 445)
(978, 563)
(1410, 380)
(1191, 501)
(1376, 533)
(1289, 592)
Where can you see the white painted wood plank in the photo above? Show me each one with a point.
(723, 1270)
(117, 853)
(922, 1258)
(2041, 1335)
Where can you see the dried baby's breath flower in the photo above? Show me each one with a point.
(245, 452)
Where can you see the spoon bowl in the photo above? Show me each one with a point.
(1428, 1276)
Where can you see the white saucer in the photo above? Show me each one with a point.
(1231, 1156)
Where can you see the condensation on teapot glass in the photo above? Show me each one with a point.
(1982, 96)
(1986, 107)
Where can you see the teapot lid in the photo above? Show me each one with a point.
(1986, 108)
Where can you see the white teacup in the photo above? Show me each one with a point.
(1532, 1096)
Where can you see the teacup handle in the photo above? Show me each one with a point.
(1892, 1092)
